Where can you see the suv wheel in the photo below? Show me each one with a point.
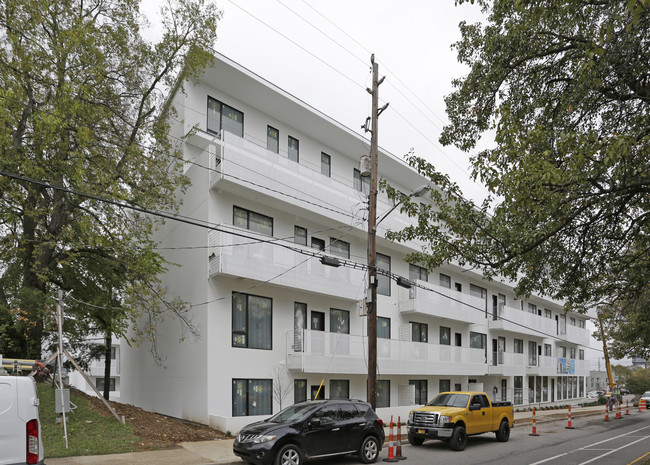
(369, 450)
(289, 454)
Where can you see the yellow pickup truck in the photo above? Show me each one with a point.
(452, 416)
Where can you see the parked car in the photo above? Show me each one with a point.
(20, 426)
(313, 429)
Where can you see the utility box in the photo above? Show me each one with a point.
(66, 401)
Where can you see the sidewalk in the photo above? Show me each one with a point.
(220, 451)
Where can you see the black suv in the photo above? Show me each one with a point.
(315, 428)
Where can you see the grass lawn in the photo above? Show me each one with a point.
(89, 433)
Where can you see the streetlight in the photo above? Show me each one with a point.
(372, 281)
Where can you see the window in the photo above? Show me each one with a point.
(300, 235)
(257, 222)
(563, 352)
(445, 281)
(477, 291)
(325, 164)
(339, 248)
(99, 384)
(383, 282)
(548, 313)
(572, 352)
(519, 346)
(547, 350)
(417, 272)
(339, 321)
(103, 354)
(532, 353)
(419, 332)
(361, 183)
(318, 244)
(383, 327)
(459, 339)
(581, 324)
(272, 139)
(317, 321)
(581, 354)
(299, 390)
(251, 321)
(383, 393)
(293, 150)
(459, 287)
(445, 336)
(477, 340)
(532, 308)
(444, 385)
(252, 397)
(572, 321)
(221, 116)
(421, 390)
(339, 389)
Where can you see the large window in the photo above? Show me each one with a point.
(252, 397)
(532, 308)
(445, 336)
(339, 321)
(417, 272)
(383, 327)
(272, 139)
(251, 321)
(477, 340)
(519, 346)
(339, 248)
(444, 385)
(257, 222)
(99, 383)
(532, 353)
(339, 389)
(383, 282)
(383, 393)
(325, 164)
(318, 244)
(221, 116)
(421, 391)
(300, 235)
(419, 332)
(477, 291)
(293, 150)
(445, 281)
(299, 390)
(361, 183)
(317, 321)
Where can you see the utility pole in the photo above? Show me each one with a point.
(372, 233)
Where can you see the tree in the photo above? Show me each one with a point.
(564, 86)
(281, 384)
(82, 110)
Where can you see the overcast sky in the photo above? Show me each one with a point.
(320, 52)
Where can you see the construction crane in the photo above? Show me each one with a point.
(608, 366)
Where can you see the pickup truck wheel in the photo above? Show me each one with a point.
(503, 433)
(458, 439)
(415, 441)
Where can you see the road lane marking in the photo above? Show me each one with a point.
(640, 458)
(586, 448)
(615, 450)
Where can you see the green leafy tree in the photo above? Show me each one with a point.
(82, 109)
(564, 87)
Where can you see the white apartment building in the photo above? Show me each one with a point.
(280, 183)
(95, 373)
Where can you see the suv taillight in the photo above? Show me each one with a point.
(380, 422)
(32, 441)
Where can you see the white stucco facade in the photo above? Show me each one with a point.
(269, 313)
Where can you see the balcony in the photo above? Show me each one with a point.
(576, 335)
(239, 165)
(263, 258)
(507, 364)
(322, 352)
(518, 321)
(96, 368)
(432, 300)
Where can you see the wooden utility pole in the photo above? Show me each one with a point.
(372, 234)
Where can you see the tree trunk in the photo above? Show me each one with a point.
(108, 341)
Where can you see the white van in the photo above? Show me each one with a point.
(20, 426)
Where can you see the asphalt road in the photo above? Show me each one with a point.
(592, 441)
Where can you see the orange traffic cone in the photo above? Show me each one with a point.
(398, 448)
(391, 448)
(606, 412)
(627, 407)
(569, 425)
(534, 433)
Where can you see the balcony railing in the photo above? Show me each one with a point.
(519, 321)
(312, 351)
(432, 300)
(577, 335)
(263, 258)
